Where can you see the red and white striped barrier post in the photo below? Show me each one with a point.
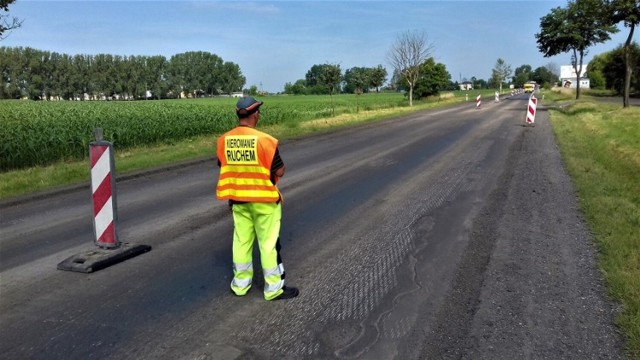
(105, 216)
(103, 189)
(478, 101)
(531, 110)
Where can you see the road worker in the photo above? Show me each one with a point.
(250, 166)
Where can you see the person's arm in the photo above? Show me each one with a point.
(277, 166)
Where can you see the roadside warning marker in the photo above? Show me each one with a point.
(103, 189)
(478, 101)
(531, 110)
(104, 202)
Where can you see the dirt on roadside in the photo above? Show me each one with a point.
(530, 287)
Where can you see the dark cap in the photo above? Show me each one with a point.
(247, 106)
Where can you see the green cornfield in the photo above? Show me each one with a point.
(39, 133)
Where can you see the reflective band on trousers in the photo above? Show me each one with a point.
(242, 267)
(269, 288)
(241, 283)
(276, 271)
(279, 270)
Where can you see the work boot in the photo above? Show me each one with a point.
(287, 293)
(234, 293)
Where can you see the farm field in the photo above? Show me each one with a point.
(41, 133)
(45, 144)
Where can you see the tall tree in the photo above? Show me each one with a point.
(521, 75)
(31, 74)
(356, 80)
(194, 72)
(396, 82)
(613, 67)
(628, 12)
(363, 79)
(378, 77)
(323, 79)
(434, 78)
(409, 51)
(596, 67)
(554, 70)
(545, 75)
(7, 23)
(501, 71)
(574, 29)
(297, 88)
(313, 75)
(155, 76)
(330, 78)
(231, 79)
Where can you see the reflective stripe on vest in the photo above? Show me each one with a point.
(245, 156)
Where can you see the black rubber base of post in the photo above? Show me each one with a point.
(94, 260)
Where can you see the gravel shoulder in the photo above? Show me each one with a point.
(529, 286)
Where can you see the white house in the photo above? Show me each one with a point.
(569, 78)
(466, 85)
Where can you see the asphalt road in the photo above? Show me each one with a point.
(447, 234)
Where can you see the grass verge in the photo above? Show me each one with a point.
(600, 145)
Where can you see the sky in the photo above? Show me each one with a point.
(277, 42)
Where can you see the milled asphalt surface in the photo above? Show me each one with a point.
(447, 234)
(529, 285)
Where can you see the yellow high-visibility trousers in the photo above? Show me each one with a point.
(261, 221)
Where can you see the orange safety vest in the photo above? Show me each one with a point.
(245, 156)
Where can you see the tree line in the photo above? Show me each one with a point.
(608, 70)
(44, 75)
(583, 23)
(326, 79)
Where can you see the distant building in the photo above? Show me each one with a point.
(569, 79)
(466, 86)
